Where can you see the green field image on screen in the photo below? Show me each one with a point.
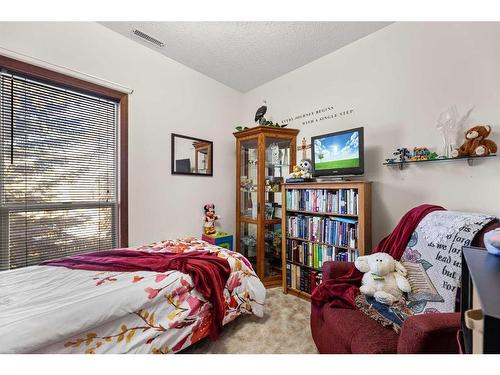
(337, 164)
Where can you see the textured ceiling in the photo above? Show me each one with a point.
(245, 55)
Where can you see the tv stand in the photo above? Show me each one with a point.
(333, 178)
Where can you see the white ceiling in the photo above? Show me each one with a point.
(245, 55)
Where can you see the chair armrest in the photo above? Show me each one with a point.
(335, 269)
(430, 333)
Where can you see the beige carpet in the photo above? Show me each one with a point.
(284, 329)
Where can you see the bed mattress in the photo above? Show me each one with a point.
(45, 309)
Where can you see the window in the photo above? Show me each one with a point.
(59, 175)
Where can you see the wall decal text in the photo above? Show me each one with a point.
(318, 115)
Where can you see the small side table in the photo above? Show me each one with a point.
(481, 275)
(221, 239)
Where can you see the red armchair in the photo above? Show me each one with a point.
(337, 330)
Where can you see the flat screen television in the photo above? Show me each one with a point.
(338, 154)
(183, 166)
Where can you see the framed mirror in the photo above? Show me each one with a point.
(191, 156)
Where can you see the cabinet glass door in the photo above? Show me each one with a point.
(248, 242)
(249, 179)
(277, 167)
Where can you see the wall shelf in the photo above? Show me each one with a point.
(469, 159)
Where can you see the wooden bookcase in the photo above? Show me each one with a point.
(363, 217)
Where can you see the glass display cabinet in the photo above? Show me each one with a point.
(264, 157)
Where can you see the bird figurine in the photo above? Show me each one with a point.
(259, 115)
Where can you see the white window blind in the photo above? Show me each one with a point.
(58, 172)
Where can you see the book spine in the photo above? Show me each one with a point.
(302, 286)
(289, 275)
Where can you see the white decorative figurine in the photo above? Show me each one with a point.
(450, 125)
(384, 278)
(302, 170)
(305, 166)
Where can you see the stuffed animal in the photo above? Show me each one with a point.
(476, 143)
(296, 173)
(303, 170)
(384, 277)
(306, 167)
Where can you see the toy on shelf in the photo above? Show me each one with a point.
(306, 166)
(273, 242)
(246, 184)
(418, 154)
(209, 219)
(296, 172)
(302, 170)
(476, 143)
(249, 241)
(273, 184)
(403, 154)
(422, 153)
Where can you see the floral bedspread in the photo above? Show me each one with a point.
(46, 309)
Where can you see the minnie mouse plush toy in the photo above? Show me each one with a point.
(210, 218)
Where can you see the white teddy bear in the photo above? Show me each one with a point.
(384, 277)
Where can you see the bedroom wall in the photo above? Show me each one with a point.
(168, 97)
(397, 81)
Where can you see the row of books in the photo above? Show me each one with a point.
(342, 201)
(303, 279)
(314, 254)
(337, 231)
(346, 256)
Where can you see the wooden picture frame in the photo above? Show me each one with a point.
(203, 145)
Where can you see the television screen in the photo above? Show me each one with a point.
(183, 166)
(339, 153)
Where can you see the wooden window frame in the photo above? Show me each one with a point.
(121, 98)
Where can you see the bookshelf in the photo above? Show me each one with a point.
(322, 221)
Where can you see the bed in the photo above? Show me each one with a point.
(45, 309)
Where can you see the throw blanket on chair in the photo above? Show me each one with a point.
(389, 316)
(341, 292)
(433, 258)
(208, 272)
(433, 261)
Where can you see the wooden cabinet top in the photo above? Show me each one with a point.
(269, 130)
